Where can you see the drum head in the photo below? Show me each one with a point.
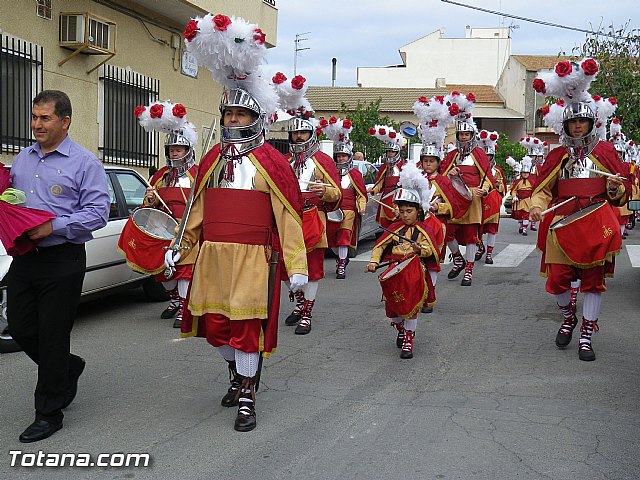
(563, 222)
(155, 223)
(336, 216)
(394, 270)
(461, 187)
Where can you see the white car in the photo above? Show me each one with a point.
(106, 267)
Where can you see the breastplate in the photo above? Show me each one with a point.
(574, 169)
(244, 174)
(393, 171)
(466, 161)
(307, 173)
(345, 182)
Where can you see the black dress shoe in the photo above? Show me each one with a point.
(292, 319)
(72, 390)
(177, 323)
(39, 430)
(169, 312)
(426, 309)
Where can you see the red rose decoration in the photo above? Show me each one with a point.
(631, 143)
(544, 110)
(318, 131)
(423, 100)
(372, 131)
(433, 123)
(536, 141)
(493, 137)
(323, 122)
(598, 125)
(259, 36)
(190, 30)
(563, 68)
(333, 120)
(484, 134)
(156, 110)
(471, 97)
(613, 100)
(382, 131)
(589, 66)
(596, 98)
(138, 111)
(440, 99)
(546, 144)
(279, 78)
(455, 94)
(615, 120)
(221, 22)
(179, 110)
(454, 110)
(392, 134)
(528, 139)
(560, 103)
(347, 123)
(297, 82)
(539, 86)
(341, 137)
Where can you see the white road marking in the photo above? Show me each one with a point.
(512, 255)
(634, 255)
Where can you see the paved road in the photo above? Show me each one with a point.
(487, 395)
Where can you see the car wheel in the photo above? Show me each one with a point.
(154, 291)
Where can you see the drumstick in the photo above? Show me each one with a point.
(600, 172)
(385, 264)
(556, 206)
(316, 183)
(400, 236)
(158, 196)
(383, 204)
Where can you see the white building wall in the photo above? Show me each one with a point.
(511, 85)
(477, 59)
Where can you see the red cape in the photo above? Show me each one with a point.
(435, 239)
(604, 155)
(383, 170)
(278, 172)
(479, 159)
(358, 182)
(445, 190)
(504, 181)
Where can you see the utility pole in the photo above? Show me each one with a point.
(297, 48)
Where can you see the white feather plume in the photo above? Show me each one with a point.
(434, 118)
(337, 132)
(412, 178)
(389, 135)
(167, 122)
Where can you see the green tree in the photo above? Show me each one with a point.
(505, 149)
(619, 75)
(363, 117)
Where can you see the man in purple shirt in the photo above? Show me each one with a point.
(44, 285)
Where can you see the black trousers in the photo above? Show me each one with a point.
(43, 291)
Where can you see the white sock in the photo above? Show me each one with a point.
(247, 363)
(411, 324)
(170, 285)
(342, 252)
(525, 224)
(183, 287)
(471, 251)
(434, 277)
(576, 283)
(491, 239)
(591, 306)
(227, 352)
(563, 298)
(453, 246)
(622, 229)
(310, 290)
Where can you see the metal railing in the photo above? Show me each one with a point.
(20, 82)
(123, 140)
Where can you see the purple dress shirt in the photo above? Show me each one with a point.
(69, 182)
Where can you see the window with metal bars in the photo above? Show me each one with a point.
(122, 140)
(20, 82)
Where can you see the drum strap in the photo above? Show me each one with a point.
(403, 231)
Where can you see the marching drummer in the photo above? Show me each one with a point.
(389, 174)
(320, 185)
(410, 242)
(342, 232)
(578, 176)
(521, 193)
(169, 189)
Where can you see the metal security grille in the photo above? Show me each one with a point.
(123, 141)
(20, 81)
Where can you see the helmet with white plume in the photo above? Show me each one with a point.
(234, 51)
(514, 164)
(434, 117)
(525, 164)
(415, 188)
(338, 130)
(461, 106)
(489, 142)
(393, 141)
(171, 119)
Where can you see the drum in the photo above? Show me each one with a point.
(145, 238)
(463, 195)
(588, 236)
(404, 287)
(491, 207)
(337, 216)
(312, 227)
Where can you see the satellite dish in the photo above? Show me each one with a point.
(408, 129)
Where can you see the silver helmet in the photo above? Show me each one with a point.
(299, 124)
(406, 195)
(392, 147)
(430, 150)
(185, 162)
(343, 148)
(248, 137)
(579, 147)
(465, 148)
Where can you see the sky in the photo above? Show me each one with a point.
(368, 33)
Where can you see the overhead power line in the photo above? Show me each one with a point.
(532, 20)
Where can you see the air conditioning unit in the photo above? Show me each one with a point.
(86, 30)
